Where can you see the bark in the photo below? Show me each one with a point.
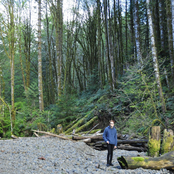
(161, 22)
(12, 55)
(137, 33)
(41, 103)
(172, 4)
(170, 36)
(107, 45)
(154, 56)
(99, 42)
(165, 161)
(154, 141)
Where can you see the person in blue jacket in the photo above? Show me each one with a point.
(110, 137)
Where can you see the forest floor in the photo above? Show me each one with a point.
(57, 156)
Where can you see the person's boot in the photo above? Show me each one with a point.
(107, 165)
(111, 164)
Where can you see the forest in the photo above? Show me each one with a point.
(112, 59)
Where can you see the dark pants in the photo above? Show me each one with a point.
(110, 153)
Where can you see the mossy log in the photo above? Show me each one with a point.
(165, 161)
(86, 124)
(79, 122)
(168, 141)
(154, 141)
(69, 125)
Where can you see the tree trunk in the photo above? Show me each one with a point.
(161, 23)
(137, 33)
(154, 141)
(165, 161)
(107, 44)
(170, 37)
(172, 4)
(154, 56)
(168, 141)
(41, 103)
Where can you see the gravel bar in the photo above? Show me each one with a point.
(57, 156)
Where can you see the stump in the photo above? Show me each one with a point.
(154, 141)
(168, 141)
(165, 161)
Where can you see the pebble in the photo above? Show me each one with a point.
(59, 156)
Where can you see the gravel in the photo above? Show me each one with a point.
(21, 156)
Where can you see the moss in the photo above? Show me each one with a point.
(138, 158)
(168, 141)
(154, 147)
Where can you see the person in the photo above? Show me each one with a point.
(110, 137)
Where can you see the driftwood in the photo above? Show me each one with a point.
(165, 161)
(96, 137)
(51, 134)
(14, 137)
(93, 137)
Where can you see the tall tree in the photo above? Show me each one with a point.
(170, 37)
(154, 56)
(172, 3)
(137, 33)
(107, 43)
(56, 10)
(41, 103)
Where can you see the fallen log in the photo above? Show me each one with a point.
(132, 148)
(86, 124)
(93, 137)
(165, 161)
(51, 134)
(96, 137)
(79, 122)
(126, 141)
(88, 140)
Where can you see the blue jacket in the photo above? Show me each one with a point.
(110, 135)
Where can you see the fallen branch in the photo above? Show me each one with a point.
(165, 161)
(51, 134)
(36, 134)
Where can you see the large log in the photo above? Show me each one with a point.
(127, 141)
(165, 161)
(95, 137)
(154, 141)
(132, 148)
(168, 141)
